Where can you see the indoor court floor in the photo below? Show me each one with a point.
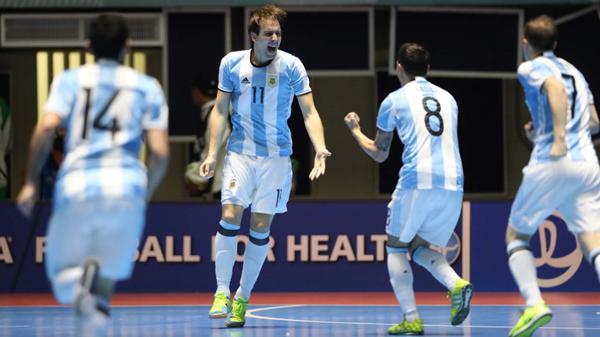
(347, 314)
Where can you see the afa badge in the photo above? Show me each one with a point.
(272, 81)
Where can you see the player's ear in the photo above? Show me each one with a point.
(253, 37)
(87, 45)
(399, 67)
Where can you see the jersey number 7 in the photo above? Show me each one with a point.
(573, 92)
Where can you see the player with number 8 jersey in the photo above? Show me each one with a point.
(427, 200)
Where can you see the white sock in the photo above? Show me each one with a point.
(401, 278)
(225, 253)
(437, 266)
(523, 269)
(254, 257)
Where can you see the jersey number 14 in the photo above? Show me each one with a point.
(112, 125)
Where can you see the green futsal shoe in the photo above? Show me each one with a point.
(407, 328)
(531, 319)
(238, 314)
(221, 306)
(461, 301)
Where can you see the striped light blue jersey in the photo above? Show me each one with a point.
(425, 117)
(104, 107)
(532, 75)
(262, 99)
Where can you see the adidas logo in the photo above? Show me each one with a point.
(245, 81)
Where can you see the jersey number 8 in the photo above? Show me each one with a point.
(435, 112)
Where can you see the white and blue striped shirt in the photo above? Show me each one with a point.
(105, 108)
(532, 75)
(262, 99)
(425, 117)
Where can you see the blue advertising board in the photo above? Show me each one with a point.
(315, 246)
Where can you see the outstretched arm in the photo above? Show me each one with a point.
(314, 127)
(378, 149)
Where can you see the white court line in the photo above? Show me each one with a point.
(250, 313)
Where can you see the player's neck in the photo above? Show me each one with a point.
(404, 80)
(258, 63)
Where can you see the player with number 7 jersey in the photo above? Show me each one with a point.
(532, 75)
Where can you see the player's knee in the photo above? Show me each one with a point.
(261, 222)
(232, 214)
(513, 235)
(590, 244)
(65, 284)
(417, 243)
(260, 227)
(395, 246)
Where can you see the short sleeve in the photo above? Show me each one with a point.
(156, 115)
(534, 74)
(225, 82)
(299, 78)
(590, 95)
(63, 93)
(385, 116)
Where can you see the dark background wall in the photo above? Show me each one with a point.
(491, 109)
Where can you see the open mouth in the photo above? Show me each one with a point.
(272, 49)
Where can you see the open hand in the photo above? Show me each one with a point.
(319, 167)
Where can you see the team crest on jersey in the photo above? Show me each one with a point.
(232, 183)
(272, 81)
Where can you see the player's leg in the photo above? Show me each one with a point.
(225, 255)
(442, 208)
(543, 189)
(273, 184)
(67, 244)
(582, 212)
(590, 247)
(460, 291)
(401, 279)
(255, 255)
(236, 190)
(402, 226)
(110, 259)
(522, 267)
